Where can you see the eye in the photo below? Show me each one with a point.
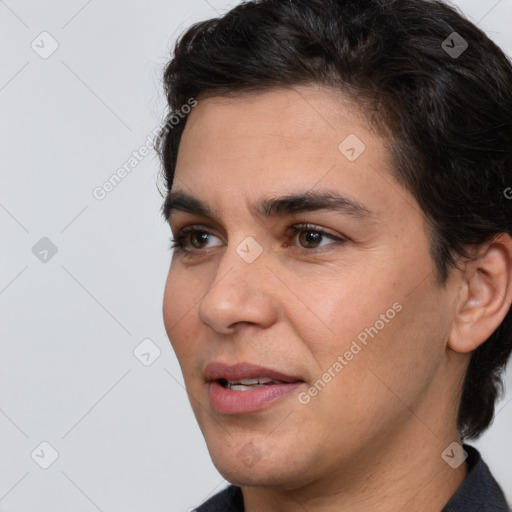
(195, 237)
(311, 237)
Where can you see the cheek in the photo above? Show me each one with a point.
(336, 309)
(179, 309)
(389, 363)
(375, 386)
(389, 331)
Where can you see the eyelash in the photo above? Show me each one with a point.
(178, 242)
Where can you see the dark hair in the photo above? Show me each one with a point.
(447, 116)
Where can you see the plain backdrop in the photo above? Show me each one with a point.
(81, 278)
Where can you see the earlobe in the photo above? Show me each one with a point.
(485, 296)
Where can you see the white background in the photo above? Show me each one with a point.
(124, 432)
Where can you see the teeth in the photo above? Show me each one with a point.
(250, 382)
(241, 387)
(266, 380)
(246, 384)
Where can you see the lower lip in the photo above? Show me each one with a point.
(226, 401)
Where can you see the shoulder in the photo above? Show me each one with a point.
(228, 500)
(479, 492)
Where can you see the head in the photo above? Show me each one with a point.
(349, 165)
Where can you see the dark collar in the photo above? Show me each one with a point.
(479, 492)
(228, 500)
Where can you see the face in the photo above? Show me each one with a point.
(302, 303)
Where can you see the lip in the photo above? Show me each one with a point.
(234, 372)
(227, 401)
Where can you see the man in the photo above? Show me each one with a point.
(339, 293)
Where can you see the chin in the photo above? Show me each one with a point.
(257, 465)
(253, 477)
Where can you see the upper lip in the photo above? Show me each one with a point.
(236, 372)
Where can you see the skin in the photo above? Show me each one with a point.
(372, 439)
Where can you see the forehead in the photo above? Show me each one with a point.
(260, 145)
(301, 114)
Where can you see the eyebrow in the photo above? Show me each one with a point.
(290, 204)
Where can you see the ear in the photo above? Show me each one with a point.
(485, 297)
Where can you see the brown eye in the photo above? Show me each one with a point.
(310, 238)
(193, 240)
(198, 239)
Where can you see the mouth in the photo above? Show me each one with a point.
(248, 384)
(245, 388)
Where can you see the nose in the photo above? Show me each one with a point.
(240, 294)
